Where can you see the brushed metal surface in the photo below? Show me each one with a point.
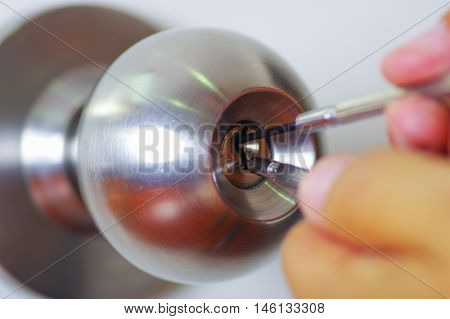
(35, 67)
(174, 214)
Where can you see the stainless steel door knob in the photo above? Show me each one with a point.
(141, 152)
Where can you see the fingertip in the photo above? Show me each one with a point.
(314, 188)
(304, 253)
(421, 60)
(416, 122)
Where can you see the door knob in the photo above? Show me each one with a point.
(135, 142)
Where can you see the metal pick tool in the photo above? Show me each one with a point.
(318, 119)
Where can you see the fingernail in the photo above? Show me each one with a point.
(396, 138)
(423, 59)
(395, 113)
(314, 189)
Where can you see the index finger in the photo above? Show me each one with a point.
(423, 59)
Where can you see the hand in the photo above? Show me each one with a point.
(379, 226)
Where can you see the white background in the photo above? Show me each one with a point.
(319, 38)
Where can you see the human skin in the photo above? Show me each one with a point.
(378, 226)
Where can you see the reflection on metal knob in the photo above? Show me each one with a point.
(192, 225)
(142, 151)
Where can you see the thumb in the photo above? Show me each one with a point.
(387, 197)
(380, 228)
